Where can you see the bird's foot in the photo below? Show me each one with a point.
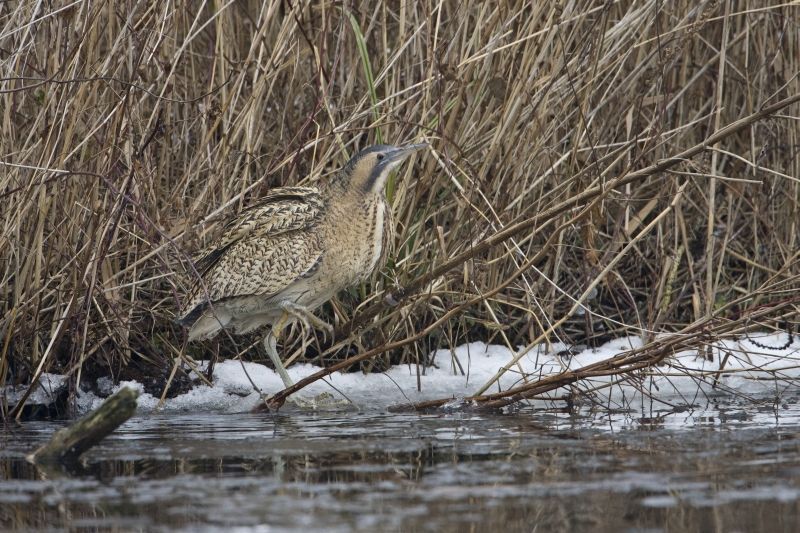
(324, 401)
(306, 317)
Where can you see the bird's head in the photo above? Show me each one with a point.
(366, 172)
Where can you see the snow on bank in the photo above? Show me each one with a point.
(47, 389)
(747, 369)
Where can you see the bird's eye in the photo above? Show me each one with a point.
(379, 156)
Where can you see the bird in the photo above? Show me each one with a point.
(292, 251)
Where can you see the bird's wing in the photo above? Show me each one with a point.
(261, 265)
(261, 252)
(281, 210)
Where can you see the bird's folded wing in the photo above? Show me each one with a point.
(281, 210)
(260, 252)
(260, 265)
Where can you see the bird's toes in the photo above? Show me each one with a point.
(321, 324)
(326, 329)
(307, 327)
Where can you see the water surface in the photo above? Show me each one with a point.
(725, 466)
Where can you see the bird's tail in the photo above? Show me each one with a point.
(208, 325)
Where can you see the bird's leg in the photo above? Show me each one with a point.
(306, 317)
(211, 362)
(271, 345)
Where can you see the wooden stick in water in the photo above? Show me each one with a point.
(69, 443)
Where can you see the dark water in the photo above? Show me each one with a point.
(722, 468)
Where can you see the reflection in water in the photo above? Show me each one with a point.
(732, 469)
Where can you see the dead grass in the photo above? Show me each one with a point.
(129, 130)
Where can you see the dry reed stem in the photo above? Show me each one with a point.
(628, 363)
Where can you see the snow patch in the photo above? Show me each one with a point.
(741, 367)
(47, 389)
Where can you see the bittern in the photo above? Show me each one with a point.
(294, 250)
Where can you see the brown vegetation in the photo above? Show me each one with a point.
(129, 130)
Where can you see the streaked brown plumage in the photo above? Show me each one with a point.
(294, 250)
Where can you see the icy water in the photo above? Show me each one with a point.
(725, 466)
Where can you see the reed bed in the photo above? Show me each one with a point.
(131, 130)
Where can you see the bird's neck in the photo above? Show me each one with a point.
(336, 183)
(340, 186)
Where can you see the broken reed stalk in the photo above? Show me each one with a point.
(67, 444)
(627, 362)
(592, 194)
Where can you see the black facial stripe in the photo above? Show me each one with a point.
(373, 177)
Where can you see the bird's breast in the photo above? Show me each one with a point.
(377, 237)
(358, 242)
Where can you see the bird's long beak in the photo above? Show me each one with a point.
(404, 151)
